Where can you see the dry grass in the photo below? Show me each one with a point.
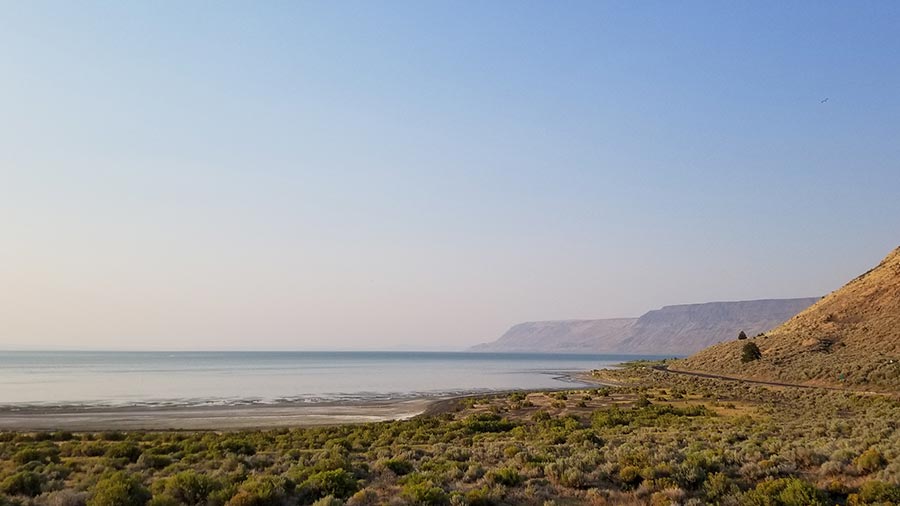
(850, 338)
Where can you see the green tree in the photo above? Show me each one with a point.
(742, 335)
(750, 353)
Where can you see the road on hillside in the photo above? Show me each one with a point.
(666, 368)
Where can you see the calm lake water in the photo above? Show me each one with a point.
(205, 378)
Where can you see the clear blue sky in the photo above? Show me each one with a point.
(369, 174)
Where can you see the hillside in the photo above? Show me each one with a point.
(672, 330)
(851, 337)
(688, 328)
(562, 336)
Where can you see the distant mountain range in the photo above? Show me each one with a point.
(672, 330)
(849, 338)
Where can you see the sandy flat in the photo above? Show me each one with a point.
(208, 417)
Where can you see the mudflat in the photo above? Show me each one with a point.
(209, 417)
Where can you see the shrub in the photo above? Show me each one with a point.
(65, 498)
(540, 416)
(163, 500)
(876, 492)
(191, 487)
(505, 476)
(23, 483)
(750, 352)
(869, 461)
(718, 486)
(784, 492)
(153, 461)
(337, 482)
(488, 422)
(260, 491)
(742, 335)
(425, 493)
(44, 455)
(364, 497)
(237, 446)
(630, 476)
(124, 450)
(328, 500)
(480, 497)
(119, 489)
(399, 467)
(610, 417)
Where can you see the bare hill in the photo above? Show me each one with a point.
(851, 337)
(672, 330)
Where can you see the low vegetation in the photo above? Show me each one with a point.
(659, 438)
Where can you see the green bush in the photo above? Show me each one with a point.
(540, 416)
(488, 422)
(425, 493)
(119, 489)
(717, 487)
(237, 446)
(163, 500)
(337, 482)
(505, 476)
(23, 483)
(481, 497)
(190, 487)
(876, 492)
(124, 450)
(784, 492)
(869, 461)
(154, 461)
(328, 500)
(261, 491)
(630, 476)
(44, 455)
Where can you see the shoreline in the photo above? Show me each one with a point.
(236, 417)
(209, 418)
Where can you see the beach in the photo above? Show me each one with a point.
(247, 417)
(208, 417)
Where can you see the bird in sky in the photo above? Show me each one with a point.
(823, 100)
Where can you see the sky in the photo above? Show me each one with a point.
(371, 175)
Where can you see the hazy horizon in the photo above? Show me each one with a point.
(337, 176)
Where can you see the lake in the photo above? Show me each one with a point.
(236, 378)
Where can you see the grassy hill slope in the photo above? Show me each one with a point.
(851, 337)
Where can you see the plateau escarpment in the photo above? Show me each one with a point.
(672, 330)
